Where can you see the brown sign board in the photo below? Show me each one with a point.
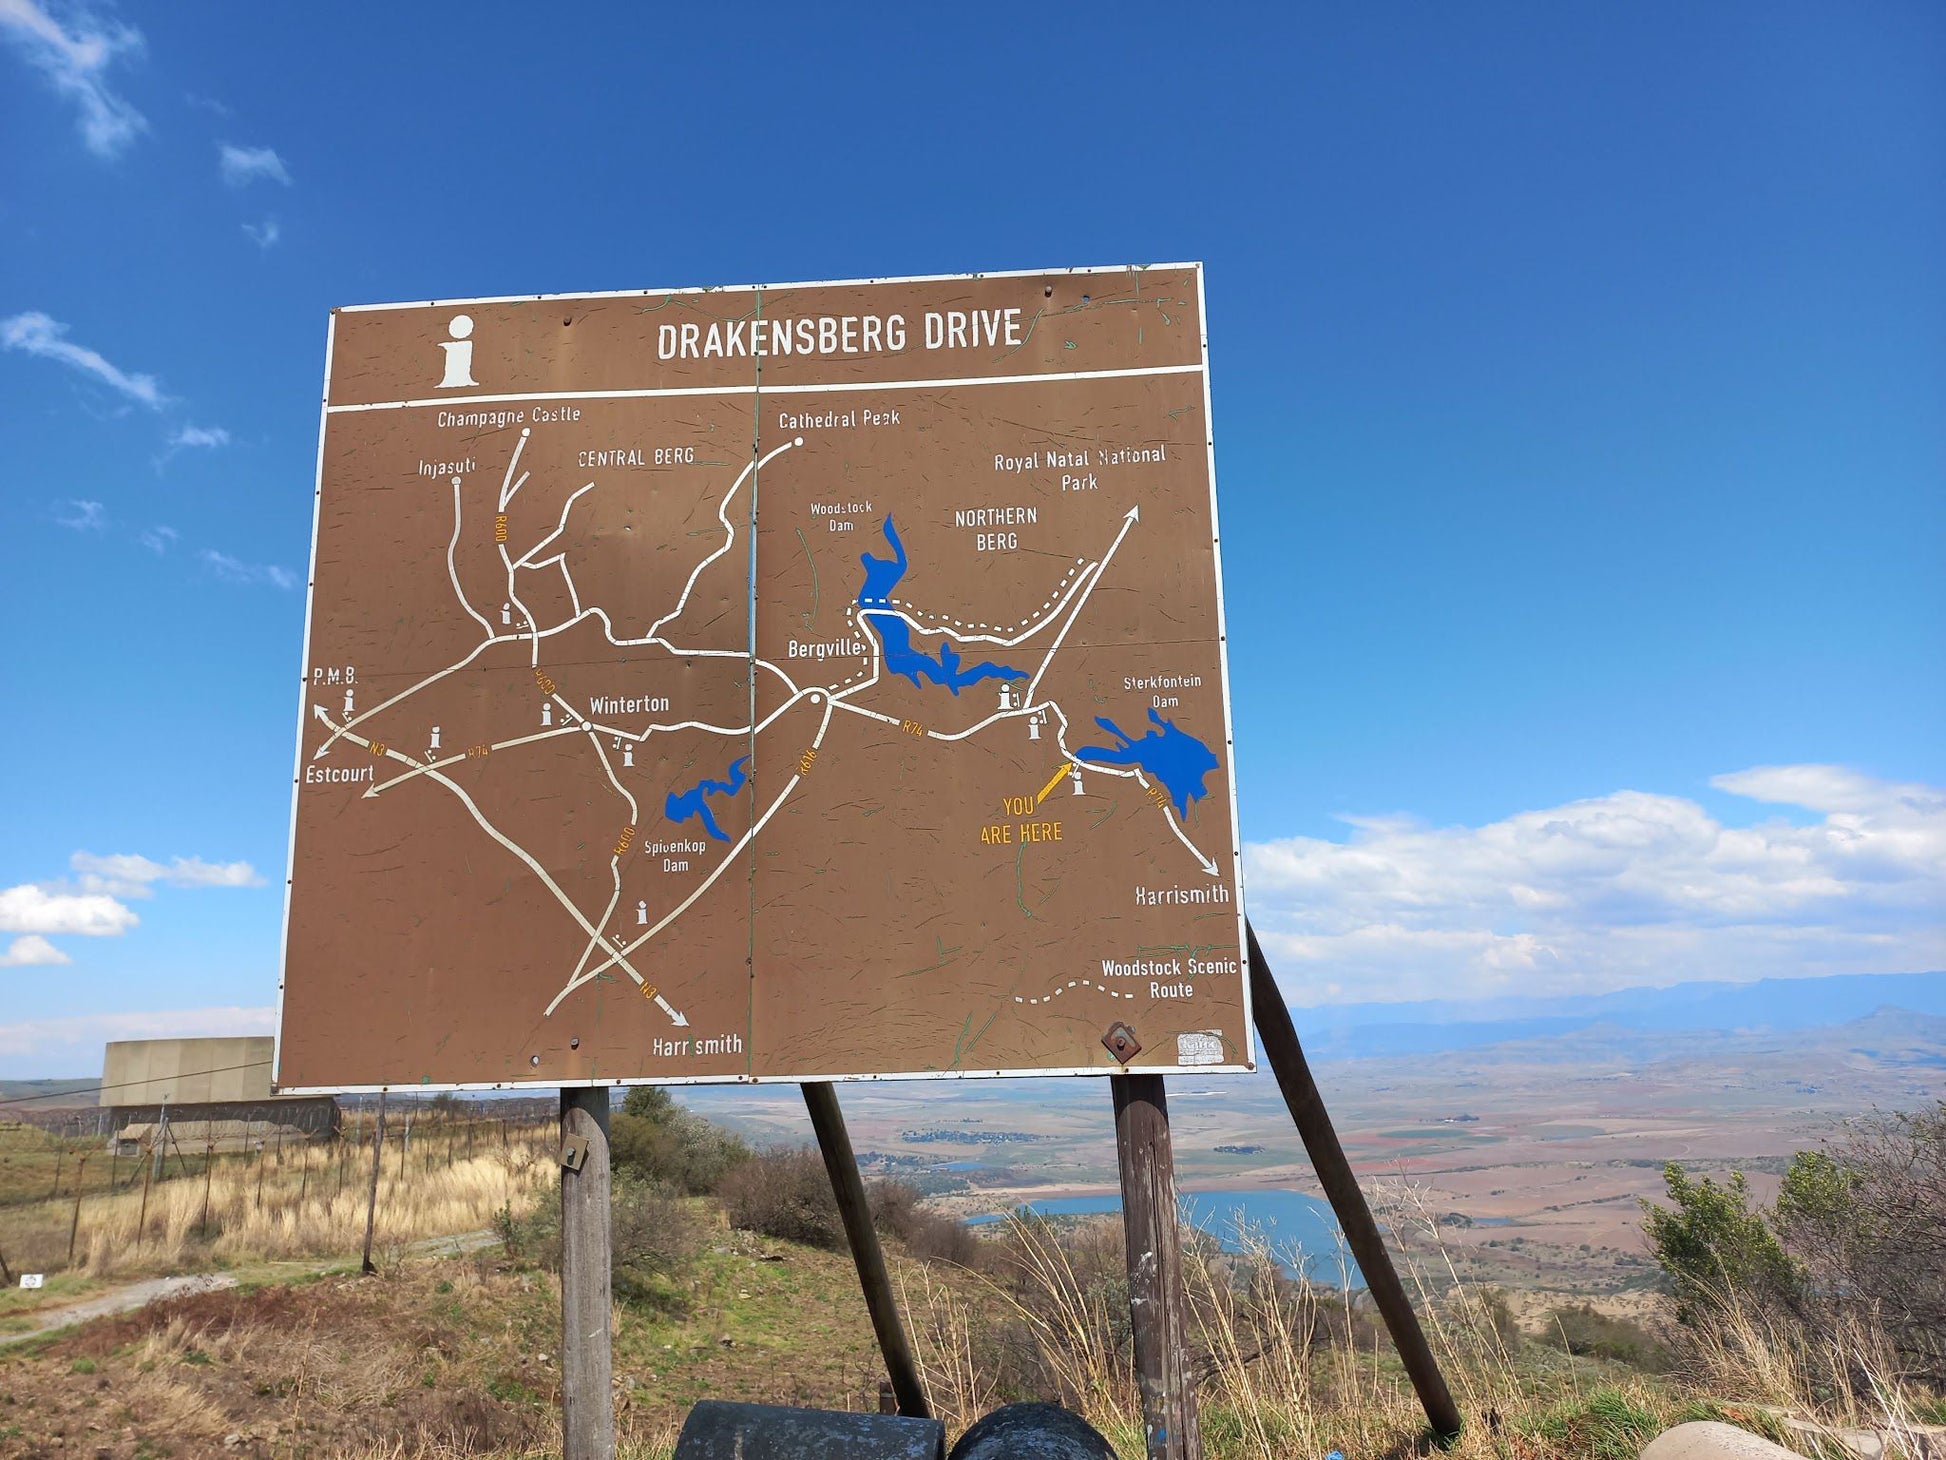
(794, 682)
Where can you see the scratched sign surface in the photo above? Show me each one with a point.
(788, 682)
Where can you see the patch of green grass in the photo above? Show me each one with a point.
(1604, 1424)
(82, 1366)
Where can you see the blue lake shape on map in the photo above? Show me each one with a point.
(1175, 757)
(691, 803)
(882, 575)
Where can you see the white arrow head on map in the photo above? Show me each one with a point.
(676, 1017)
(1134, 514)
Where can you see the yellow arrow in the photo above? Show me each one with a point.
(1051, 784)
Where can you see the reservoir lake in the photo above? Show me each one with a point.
(1300, 1230)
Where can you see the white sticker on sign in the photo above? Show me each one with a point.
(32, 1279)
(1203, 1047)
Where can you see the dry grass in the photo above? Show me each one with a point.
(303, 1201)
(1292, 1368)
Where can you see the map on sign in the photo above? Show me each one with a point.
(794, 682)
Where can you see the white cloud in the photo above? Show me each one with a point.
(199, 436)
(76, 58)
(124, 874)
(71, 1045)
(35, 333)
(1625, 889)
(30, 908)
(158, 540)
(263, 234)
(93, 904)
(32, 951)
(242, 166)
(80, 515)
(234, 570)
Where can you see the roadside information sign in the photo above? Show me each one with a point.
(788, 682)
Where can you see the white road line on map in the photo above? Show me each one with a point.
(513, 594)
(488, 827)
(560, 527)
(453, 572)
(507, 492)
(634, 814)
(861, 710)
(949, 383)
(1070, 585)
(729, 529)
(728, 857)
(1169, 815)
(993, 719)
(574, 595)
(1073, 983)
(558, 730)
(432, 678)
(1133, 516)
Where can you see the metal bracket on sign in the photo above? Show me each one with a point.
(1121, 1042)
(574, 1152)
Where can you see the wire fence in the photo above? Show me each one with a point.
(84, 1196)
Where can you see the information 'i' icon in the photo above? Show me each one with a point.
(459, 353)
(547, 712)
(434, 744)
(1006, 696)
(506, 613)
(347, 702)
(1074, 775)
(642, 914)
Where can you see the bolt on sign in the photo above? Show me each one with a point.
(789, 682)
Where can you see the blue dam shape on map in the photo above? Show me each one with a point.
(691, 803)
(1175, 757)
(882, 575)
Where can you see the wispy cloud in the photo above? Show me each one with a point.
(34, 333)
(1625, 889)
(37, 1048)
(76, 59)
(263, 234)
(242, 166)
(125, 874)
(234, 570)
(158, 540)
(200, 436)
(32, 951)
(80, 515)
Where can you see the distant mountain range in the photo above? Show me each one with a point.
(1776, 1005)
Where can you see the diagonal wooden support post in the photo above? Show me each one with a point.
(1293, 1072)
(834, 1143)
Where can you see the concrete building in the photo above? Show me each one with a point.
(199, 1093)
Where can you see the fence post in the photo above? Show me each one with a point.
(371, 1201)
(80, 1171)
(587, 1359)
(1153, 1238)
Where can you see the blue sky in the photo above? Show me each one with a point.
(1577, 384)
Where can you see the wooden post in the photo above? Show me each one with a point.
(74, 1227)
(1293, 1072)
(371, 1199)
(1155, 1290)
(209, 1168)
(587, 1363)
(834, 1143)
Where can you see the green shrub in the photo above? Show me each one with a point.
(656, 1139)
(1581, 1329)
(1715, 1247)
(785, 1194)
